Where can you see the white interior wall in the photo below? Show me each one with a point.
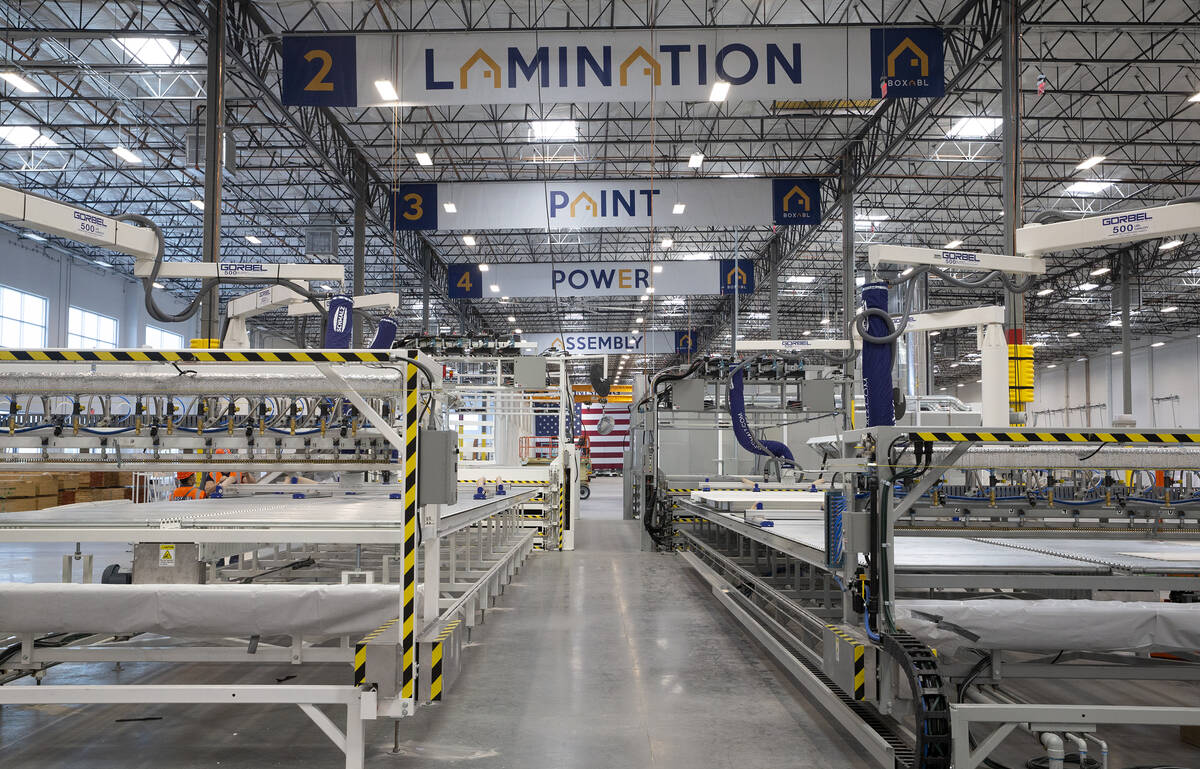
(68, 281)
(1164, 387)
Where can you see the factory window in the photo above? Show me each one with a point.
(22, 319)
(90, 330)
(161, 339)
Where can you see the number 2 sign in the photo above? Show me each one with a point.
(319, 71)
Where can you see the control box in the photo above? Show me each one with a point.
(437, 467)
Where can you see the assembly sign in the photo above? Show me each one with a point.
(625, 65)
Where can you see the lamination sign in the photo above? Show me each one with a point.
(630, 65)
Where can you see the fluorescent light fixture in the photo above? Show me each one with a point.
(808, 333)
(1087, 188)
(156, 284)
(494, 288)
(906, 271)
(449, 207)
(954, 243)
(25, 136)
(720, 90)
(516, 330)
(18, 82)
(699, 256)
(469, 240)
(953, 365)
(1073, 334)
(553, 130)
(825, 322)
(1094, 160)
(197, 203)
(33, 236)
(484, 268)
(1175, 243)
(961, 384)
(1115, 323)
(695, 160)
(1116, 352)
(151, 51)
(387, 91)
(1038, 344)
(504, 299)
(102, 263)
(860, 280)
(974, 127)
(1080, 360)
(658, 268)
(253, 240)
(1045, 291)
(644, 298)
(935, 333)
(640, 320)
(667, 242)
(1052, 365)
(678, 208)
(1087, 286)
(1169, 308)
(1101, 271)
(802, 279)
(739, 175)
(649, 289)
(511, 319)
(423, 158)
(1194, 98)
(1158, 344)
(941, 389)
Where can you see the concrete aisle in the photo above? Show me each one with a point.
(604, 658)
(608, 658)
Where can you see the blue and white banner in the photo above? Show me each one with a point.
(603, 343)
(565, 279)
(626, 65)
(564, 205)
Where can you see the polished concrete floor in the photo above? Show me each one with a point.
(607, 657)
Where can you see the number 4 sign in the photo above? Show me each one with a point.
(319, 71)
(464, 281)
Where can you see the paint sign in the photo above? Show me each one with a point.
(563, 205)
(627, 65)
(566, 279)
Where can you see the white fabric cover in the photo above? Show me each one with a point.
(1051, 625)
(198, 610)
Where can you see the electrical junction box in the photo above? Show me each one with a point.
(818, 394)
(168, 563)
(529, 371)
(437, 467)
(688, 395)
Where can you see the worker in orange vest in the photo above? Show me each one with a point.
(186, 487)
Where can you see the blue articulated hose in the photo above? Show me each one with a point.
(741, 428)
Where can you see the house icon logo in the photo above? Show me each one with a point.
(918, 61)
(736, 276)
(795, 194)
(907, 62)
(796, 201)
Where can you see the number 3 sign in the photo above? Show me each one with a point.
(319, 71)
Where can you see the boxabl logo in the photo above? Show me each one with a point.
(907, 62)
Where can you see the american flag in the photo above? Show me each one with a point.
(608, 451)
(545, 425)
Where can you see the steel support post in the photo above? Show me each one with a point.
(1010, 179)
(847, 194)
(1126, 267)
(214, 128)
(360, 246)
(426, 270)
(774, 260)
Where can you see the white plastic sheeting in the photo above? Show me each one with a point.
(1051, 625)
(198, 610)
